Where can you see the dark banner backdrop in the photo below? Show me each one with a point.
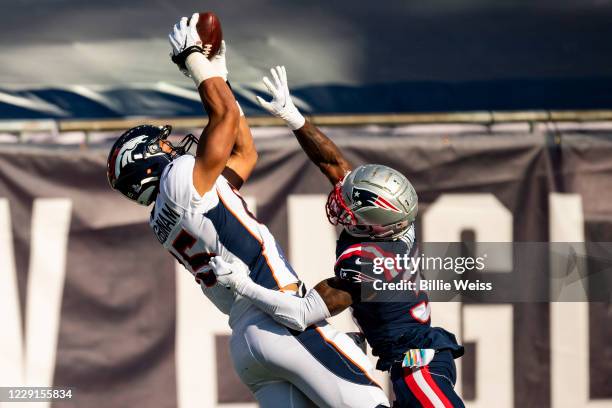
(117, 321)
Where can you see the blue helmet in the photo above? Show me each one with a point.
(136, 161)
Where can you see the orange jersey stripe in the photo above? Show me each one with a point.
(338, 349)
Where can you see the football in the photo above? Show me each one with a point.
(209, 30)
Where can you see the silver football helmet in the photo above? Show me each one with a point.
(373, 201)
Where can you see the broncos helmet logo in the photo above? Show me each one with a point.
(371, 199)
(124, 156)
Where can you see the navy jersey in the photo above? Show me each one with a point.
(392, 321)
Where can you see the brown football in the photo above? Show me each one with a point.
(209, 30)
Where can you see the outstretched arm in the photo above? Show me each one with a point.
(328, 298)
(243, 157)
(219, 136)
(322, 152)
(320, 149)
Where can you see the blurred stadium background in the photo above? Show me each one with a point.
(500, 112)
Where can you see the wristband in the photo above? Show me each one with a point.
(180, 58)
(296, 122)
(200, 68)
(293, 118)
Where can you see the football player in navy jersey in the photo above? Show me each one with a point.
(377, 206)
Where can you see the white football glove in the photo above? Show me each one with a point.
(230, 275)
(281, 104)
(183, 36)
(185, 40)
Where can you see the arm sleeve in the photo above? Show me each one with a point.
(292, 311)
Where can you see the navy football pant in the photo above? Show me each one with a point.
(430, 387)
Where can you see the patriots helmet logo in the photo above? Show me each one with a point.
(370, 199)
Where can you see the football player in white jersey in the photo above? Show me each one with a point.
(199, 214)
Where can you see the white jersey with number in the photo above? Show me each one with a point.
(195, 228)
(280, 367)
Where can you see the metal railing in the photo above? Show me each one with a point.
(490, 117)
(485, 118)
